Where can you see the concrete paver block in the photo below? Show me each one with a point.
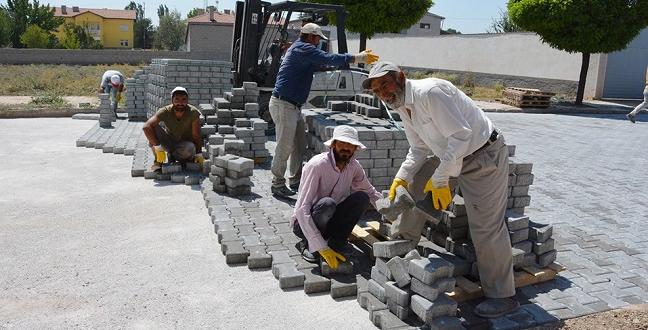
(546, 259)
(288, 276)
(343, 286)
(376, 290)
(429, 269)
(432, 291)
(401, 312)
(399, 270)
(519, 235)
(446, 323)
(314, 282)
(381, 265)
(259, 258)
(539, 232)
(396, 294)
(390, 249)
(429, 310)
(378, 276)
(235, 253)
(344, 268)
(543, 247)
(517, 222)
(384, 319)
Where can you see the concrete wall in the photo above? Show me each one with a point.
(512, 54)
(101, 56)
(210, 38)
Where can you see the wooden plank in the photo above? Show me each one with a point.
(362, 234)
(556, 267)
(535, 271)
(467, 285)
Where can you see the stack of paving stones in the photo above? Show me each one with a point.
(231, 174)
(136, 96)
(203, 79)
(386, 145)
(106, 115)
(238, 128)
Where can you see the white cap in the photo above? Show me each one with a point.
(346, 134)
(312, 28)
(378, 70)
(179, 89)
(115, 79)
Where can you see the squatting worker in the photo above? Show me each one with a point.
(291, 90)
(335, 193)
(440, 119)
(179, 135)
(112, 82)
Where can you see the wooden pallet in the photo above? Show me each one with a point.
(527, 103)
(526, 97)
(465, 289)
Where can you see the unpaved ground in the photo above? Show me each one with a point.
(72, 100)
(632, 318)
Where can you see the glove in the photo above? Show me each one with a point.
(160, 154)
(199, 159)
(392, 190)
(118, 97)
(441, 196)
(366, 56)
(331, 257)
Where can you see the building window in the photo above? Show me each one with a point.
(95, 30)
(123, 43)
(425, 26)
(123, 27)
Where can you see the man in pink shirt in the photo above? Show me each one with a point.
(334, 193)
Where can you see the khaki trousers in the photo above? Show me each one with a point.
(291, 142)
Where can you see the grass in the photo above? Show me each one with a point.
(485, 93)
(57, 80)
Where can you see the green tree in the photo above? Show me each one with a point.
(369, 17)
(582, 26)
(163, 10)
(78, 36)
(22, 13)
(143, 28)
(503, 24)
(195, 12)
(70, 39)
(35, 37)
(450, 31)
(171, 31)
(5, 28)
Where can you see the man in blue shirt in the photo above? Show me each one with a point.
(291, 90)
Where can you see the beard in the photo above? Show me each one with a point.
(343, 155)
(398, 98)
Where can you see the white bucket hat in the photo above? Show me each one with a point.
(346, 134)
(115, 79)
(312, 28)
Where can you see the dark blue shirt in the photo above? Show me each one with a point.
(296, 72)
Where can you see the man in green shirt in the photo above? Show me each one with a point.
(179, 135)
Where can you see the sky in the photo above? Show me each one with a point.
(467, 16)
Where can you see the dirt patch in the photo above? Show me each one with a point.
(631, 318)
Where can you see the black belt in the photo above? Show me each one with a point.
(493, 137)
(283, 98)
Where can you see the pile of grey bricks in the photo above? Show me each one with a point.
(124, 138)
(404, 285)
(106, 114)
(203, 79)
(231, 174)
(136, 96)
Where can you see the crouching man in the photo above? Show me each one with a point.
(334, 194)
(179, 136)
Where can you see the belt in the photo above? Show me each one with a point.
(283, 98)
(493, 137)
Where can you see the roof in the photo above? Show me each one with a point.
(104, 12)
(434, 15)
(218, 18)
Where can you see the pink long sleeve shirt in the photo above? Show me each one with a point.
(321, 178)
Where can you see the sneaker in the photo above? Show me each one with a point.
(495, 307)
(156, 167)
(282, 191)
(631, 117)
(302, 247)
(294, 187)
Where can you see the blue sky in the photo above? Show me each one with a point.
(467, 16)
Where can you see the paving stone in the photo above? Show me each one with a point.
(396, 294)
(546, 259)
(384, 319)
(402, 201)
(519, 235)
(446, 323)
(381, 265)
(517, 222)
(376, 290)
(288, 275)
(526, 246)
(398, 267)
(371, 303)
(258, 258)
(401, 312)
(543, 247)
(234, 253)
(432, 291)
(427, 310)
(344, 268)
(429, 269)
(390, 249)
(314, 281)
(378, 276)
(343, 286)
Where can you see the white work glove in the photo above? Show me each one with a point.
(366, 57)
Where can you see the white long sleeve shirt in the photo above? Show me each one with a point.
(444, 122)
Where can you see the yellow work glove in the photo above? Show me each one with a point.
(441, 196)
(392, 190)
(366, 56)
(331, 257)
(160, 154)
(118, 97)
(199, 159)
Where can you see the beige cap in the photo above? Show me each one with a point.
(378, 70)
(345, 133)
(312, 28)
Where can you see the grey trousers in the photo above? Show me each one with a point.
(179, 150)
(483, 182)
(291, 142)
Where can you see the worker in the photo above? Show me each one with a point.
(179, 137)
(291, 90)
(112, 82)
(439, 119)
(642, 105)
(335, 194)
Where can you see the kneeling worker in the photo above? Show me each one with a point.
(180, 133)
(335, 194)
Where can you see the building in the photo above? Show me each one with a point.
(112, 27)
(210, 32)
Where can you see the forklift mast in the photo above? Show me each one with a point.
(261, 30)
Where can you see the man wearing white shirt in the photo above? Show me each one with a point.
(439, 119)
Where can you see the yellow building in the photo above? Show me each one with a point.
(113, 27)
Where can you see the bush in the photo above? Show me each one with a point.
(35, 37)
(49, 99)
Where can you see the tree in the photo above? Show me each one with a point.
(163, 10)
(78, 36)
(5, 28)
(503, 24)
(35, 37)
(70, 39)
(143, 28)
(171, 31)
(592, 26)
(369, 17)
(450, 31)
(22, 14)
(195, 12)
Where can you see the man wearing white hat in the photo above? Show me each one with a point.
(179, 134)
(112, 82)
(291, 90)
(439, 119)
(334, 195)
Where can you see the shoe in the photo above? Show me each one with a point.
(631, 117)
(495, 307)
(302, 247)
(282, 191)
(342, 247)
(156, 167)
(294, 187)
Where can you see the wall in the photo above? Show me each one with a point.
(100, 56)
(209, 38)
(511, 54)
